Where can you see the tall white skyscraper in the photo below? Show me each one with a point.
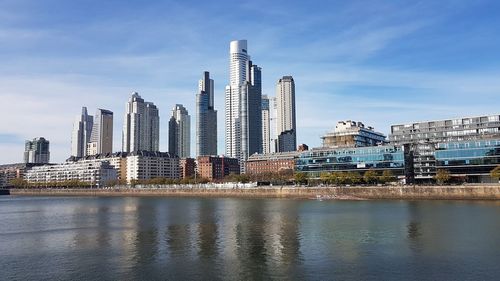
(286, 126)
(179, 132)
(266, 125)
(206, 117)
(141, 127)
(82, 130)
(243, 116)
(101, 139)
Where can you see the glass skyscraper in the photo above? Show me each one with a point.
(206, 117)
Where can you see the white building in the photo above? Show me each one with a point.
(101, 139)
(82, 130)
(141, 128)
(266, 125)
(148, 165)
(93, 172)
(243, 116)
(285, 123)
(179, 132)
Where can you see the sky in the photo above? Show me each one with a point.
(378, 62)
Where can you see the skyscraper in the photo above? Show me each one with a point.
(101, 139)
(82, 130)
(141, 127)
(285, 102)
(266, 125)
(243, 116)
(179, 132)
(206, 117)
(37, 151)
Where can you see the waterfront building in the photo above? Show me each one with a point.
(187, 167)
(82, 130)
(37, 151)
(266, 125)
(243, 101)
(118, 160)
(271, 162)
(143, 165)
(216, 167)
(141, 127)
(352, 134)
(101, 138)
(286, 123)
(179, 132)
(94, 173)
(9, 172)
(397, 159)
(423, 137)
(206, 117)
(469, 161)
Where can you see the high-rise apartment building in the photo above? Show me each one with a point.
(286, 128)
(266, 125)
(243, 95)
(37, 151)
(82, 130)
(101, 139)
(141, 128)
(206, 117)
(179, 132)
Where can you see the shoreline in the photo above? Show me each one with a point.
(473, 192)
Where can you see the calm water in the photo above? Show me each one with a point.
(122, 238)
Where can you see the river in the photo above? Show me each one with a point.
(161, 238)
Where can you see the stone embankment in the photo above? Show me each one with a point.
(466, 192)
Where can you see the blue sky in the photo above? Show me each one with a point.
(379, 62)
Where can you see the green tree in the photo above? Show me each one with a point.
(370, 177)
(18, 183)
(301, 178)
(325, 177)
(387, 176)
(495, 173)
(353, 178)
(442, 176)
(337, 178)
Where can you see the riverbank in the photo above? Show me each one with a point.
(470, 192)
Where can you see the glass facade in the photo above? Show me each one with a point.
(468, 158)
(353, 159)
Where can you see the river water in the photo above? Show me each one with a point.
(157, 238)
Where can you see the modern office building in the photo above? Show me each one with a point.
(141, 128)
(179, 132)
(271, 162)
(352, 134)
(92, 172)
(37, 151)
(243, 100)
(266, 125)
(101, 138)
(206, 117)
(143, 165)
(397, 159)
(215, 167)
(285, 122)
(469, 161)
(82, 130)
(424, 138)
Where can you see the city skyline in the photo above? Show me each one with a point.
(383, 63)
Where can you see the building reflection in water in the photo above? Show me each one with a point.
(414, 231)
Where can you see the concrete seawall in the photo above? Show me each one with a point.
(479, 192)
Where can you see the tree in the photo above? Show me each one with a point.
(18, 183)
(442, 176)
(300, 178)
(495, 173)
(370, 177)
(353, 177)
(387, 176)
(325, 177)
(337, 178)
